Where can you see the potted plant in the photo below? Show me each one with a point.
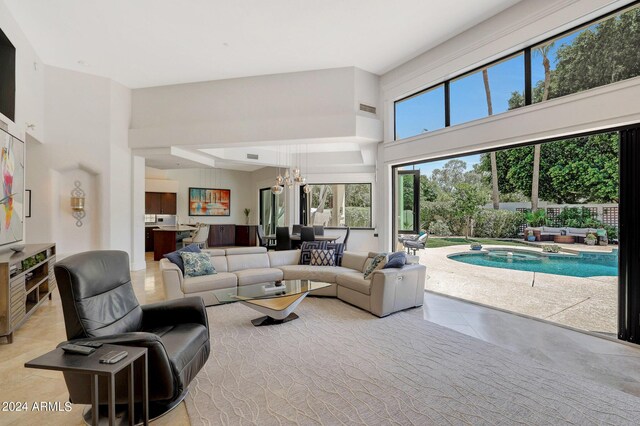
(530, 236)
(590, 240)
(247, 212)
(476, 246)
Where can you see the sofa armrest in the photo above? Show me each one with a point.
(396, 289)
(172, 279)
(190, 310)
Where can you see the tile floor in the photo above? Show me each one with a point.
(608, 362)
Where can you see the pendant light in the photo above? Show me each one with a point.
(277, 188)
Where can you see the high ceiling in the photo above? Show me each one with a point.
(143, 43)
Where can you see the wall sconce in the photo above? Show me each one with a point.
(77, 203)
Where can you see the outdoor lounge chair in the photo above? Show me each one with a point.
(411, 246)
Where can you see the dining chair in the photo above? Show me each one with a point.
(307, 234)
(346, 237)
(283, 239)
(200, 237)
(295, 229)
(318, 229)
(263, 241)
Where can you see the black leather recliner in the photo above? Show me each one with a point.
(99, 305)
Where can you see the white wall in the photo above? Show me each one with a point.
(86, 122)
(239, 183)
(293, 106)
(523, 24)
(29, 81)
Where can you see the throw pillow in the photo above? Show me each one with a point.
(378, 262)
(322, 258)
(338, 249)
(307, 246)
(396, 260)
(197, 264)
(175, 258)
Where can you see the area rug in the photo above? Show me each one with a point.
(339, 365)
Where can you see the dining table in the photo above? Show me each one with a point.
(296, 237)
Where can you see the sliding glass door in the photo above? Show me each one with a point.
(271, 210)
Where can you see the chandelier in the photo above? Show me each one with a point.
(292, 176)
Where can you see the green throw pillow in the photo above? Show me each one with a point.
(197, 264)
(378, 262)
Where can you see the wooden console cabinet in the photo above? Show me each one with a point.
(246, 235)
(222, 235)
(26, 281)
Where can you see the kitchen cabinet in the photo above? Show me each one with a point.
(160, 203)
(148, 238)
(246, 235)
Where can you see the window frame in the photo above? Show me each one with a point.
(304, 219)
(526, 51)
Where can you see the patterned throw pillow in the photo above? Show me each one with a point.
(378, 262)
(197, 264)
(322, 258)
(175, 258)
(305, 250)
(338, 249)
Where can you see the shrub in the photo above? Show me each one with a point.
(439, 228)
(550, 248)
(442, 211)
(498, 223)
(358, 217)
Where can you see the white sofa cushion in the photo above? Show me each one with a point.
(325, 274)
(577, 232)
(354, 281)
(354, 261)
(283, 257)
(209, 282)
(258, 276)
(240, 262)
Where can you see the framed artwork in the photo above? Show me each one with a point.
(209, 202)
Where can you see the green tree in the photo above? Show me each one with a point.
(468, 199)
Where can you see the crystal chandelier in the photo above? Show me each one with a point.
(292, 176)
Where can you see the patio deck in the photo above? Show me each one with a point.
(584, 303)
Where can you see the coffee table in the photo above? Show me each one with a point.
(275, 300)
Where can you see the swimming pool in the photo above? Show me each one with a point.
(582, 265)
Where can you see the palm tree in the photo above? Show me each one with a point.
(535, 179)
(495, 192)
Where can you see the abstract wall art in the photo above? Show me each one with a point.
(11, 188)
(209, 202)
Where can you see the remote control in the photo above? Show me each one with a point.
(113, 357)
(90, 344)
(77, 349)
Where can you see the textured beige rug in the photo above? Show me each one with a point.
(338, 365)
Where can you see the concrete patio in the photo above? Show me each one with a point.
(584, 303)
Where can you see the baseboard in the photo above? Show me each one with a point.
(138, 266)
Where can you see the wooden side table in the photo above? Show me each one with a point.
(58, 360)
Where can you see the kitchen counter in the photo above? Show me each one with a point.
(164, 239)
(180, 228)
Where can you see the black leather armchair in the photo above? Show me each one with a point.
(99, 305)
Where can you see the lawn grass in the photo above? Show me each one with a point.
(436, 242)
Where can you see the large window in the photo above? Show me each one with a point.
(601, 52)
(487, 91)
(420, 113)
(595, 55)
(339, 205)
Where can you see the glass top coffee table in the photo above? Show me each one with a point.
(275, 300)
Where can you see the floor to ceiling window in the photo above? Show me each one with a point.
(545, 247)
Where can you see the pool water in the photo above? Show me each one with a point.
(583, 265)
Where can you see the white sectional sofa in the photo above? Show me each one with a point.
(386, 291)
